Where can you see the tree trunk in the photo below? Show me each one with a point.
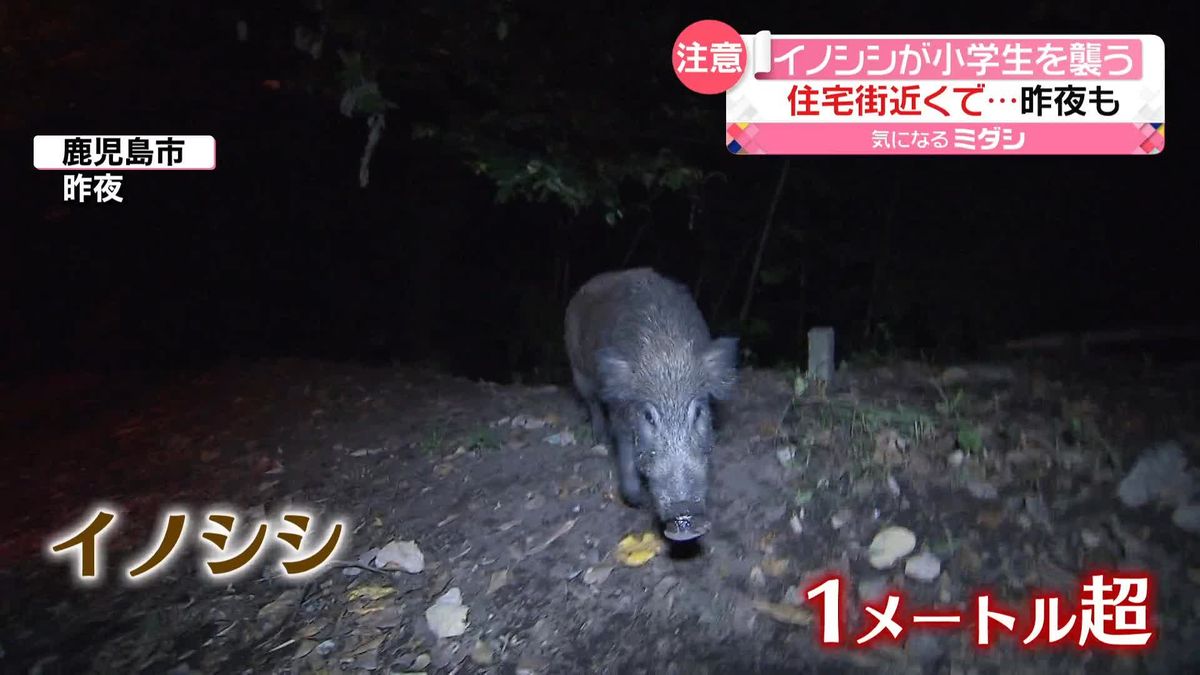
(762, 243)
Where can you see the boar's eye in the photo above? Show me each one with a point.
(649, 415)
(697, 411)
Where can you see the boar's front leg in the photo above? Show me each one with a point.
(599, 428)
(629, 481)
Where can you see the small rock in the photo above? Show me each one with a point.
(956, 458)
(1187, 517)
(890, 545)
(422, 662)
(982, 490)
(565, 437)
(1089, 538)
(923, 567)
(796, 525)
(326, 648)
(1160, 474)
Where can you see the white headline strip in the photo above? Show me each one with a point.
(92, 152)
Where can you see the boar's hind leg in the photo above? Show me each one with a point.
(629, 481)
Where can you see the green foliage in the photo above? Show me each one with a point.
(970, 440)
(565, 145)
(950, 406)
(483, 439)
(555, 174)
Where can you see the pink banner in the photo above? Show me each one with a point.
(842, 138)
(1012, 58)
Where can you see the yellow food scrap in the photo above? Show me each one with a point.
(636, 549)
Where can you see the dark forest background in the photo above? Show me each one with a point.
(528, 146)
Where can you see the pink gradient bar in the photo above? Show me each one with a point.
(782, 138)
(1114, 57)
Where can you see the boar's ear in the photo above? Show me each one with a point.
(720, 366)
(616, 375)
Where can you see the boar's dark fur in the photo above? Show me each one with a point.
(644, 362)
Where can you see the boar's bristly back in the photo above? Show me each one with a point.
(647, 340)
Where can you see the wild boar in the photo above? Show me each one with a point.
(644, 362)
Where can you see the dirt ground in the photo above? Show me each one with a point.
(1006, 476)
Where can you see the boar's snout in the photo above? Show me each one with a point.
(684, 521)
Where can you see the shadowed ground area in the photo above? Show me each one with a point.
(1005, 475)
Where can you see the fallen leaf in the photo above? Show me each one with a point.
(923, 567)
(371, 592)
(275, 612)
(404, 555)
(561, 438)
(990, 519)
(304, 648)
(383, 617)
(311, 630)
(597, 575)
(792, 614)
(890, 545)
(447, 617)
(563, 529)
(368, 645)
(499, 579)
(775, 567)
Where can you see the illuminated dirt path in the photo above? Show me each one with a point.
(1008, 486)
